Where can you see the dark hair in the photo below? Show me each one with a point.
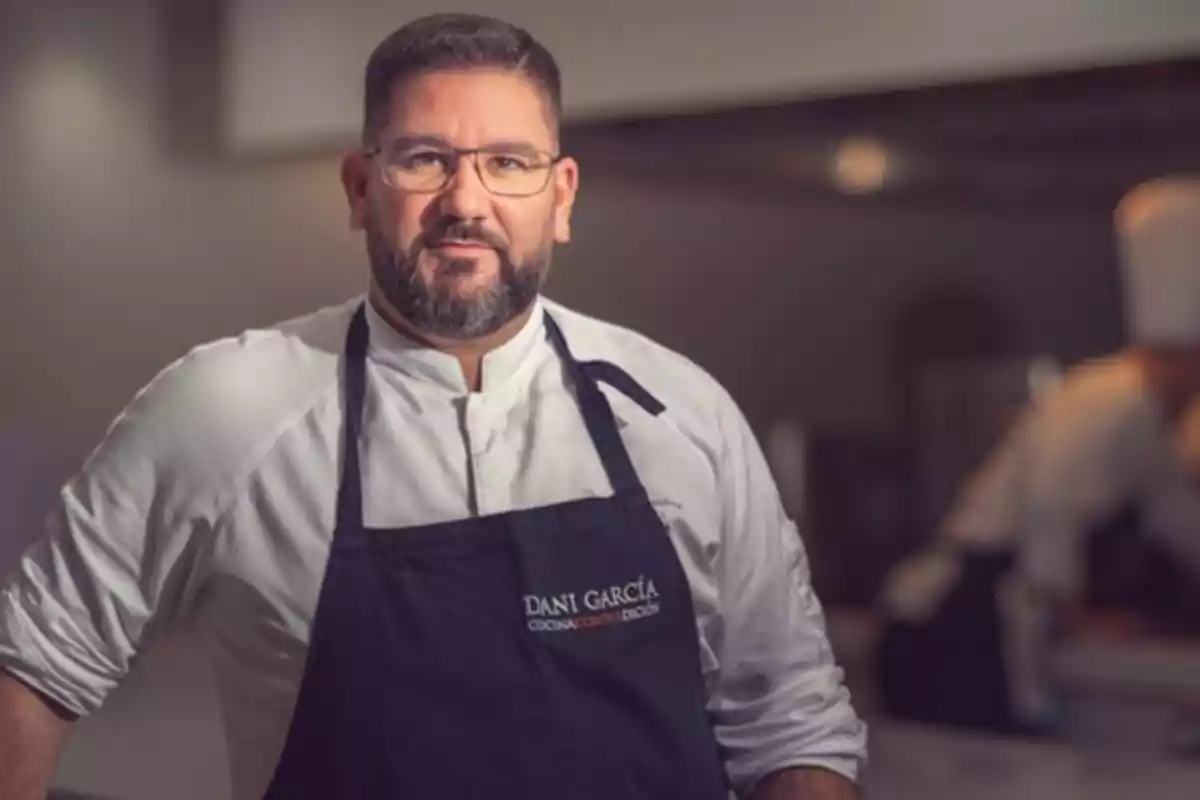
(448, 42)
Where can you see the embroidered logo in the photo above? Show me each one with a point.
(594, 608)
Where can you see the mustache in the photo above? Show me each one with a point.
(458, 230)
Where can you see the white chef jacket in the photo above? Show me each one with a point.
(213, 495)
(1079, 453)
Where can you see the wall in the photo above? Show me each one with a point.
(791, 304)
(624, 56)
(120, 254)
(10, 258)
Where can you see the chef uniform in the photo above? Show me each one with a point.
(448, 624)
(577, 582)
(1088, 474)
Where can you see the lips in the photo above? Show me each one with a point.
(459, 245)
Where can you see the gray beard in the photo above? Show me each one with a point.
(436, 308)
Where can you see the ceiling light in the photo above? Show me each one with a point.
(860, 166)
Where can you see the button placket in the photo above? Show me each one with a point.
(481, 436)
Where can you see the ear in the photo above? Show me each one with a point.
(566, 184)
(356, 175)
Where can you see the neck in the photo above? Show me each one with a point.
(468, 352)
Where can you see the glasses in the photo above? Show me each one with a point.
(503, 170)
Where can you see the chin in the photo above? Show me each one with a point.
(465, 287)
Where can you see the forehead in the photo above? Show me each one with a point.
(472, 107)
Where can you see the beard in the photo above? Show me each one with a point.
(436, 304)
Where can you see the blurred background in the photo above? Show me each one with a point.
(877, 223)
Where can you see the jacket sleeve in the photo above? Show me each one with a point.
(116, 558)
(779, 699)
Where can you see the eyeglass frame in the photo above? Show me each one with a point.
(458, 154)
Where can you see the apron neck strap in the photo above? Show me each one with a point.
(597, 416)
(354, 393)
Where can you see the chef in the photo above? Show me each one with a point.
(1110, 450)
(453, 540)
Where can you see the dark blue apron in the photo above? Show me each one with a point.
(546, 654)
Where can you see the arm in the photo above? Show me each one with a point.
(32, 731)
(806, 784)
(116, 557)
(777, 696)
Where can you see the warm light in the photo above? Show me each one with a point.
(68, 121)
(860, 166)
(62, 96)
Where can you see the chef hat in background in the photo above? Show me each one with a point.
(1158, 230)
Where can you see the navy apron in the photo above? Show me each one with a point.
(540, 654)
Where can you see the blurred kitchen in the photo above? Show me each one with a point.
(883, 226)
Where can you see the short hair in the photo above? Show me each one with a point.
(454, 41)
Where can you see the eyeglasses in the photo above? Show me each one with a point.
(503, 170)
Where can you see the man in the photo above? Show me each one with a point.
(457, 541)
(1102, 457)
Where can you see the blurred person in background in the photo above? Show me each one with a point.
(454, 540)
(1108, 457)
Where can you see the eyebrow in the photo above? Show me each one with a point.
(511, 145)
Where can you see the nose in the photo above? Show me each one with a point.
(465, 196)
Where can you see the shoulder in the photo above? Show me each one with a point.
(1100, 409)
(1098, 398)
(205, 417)
(696, 403)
